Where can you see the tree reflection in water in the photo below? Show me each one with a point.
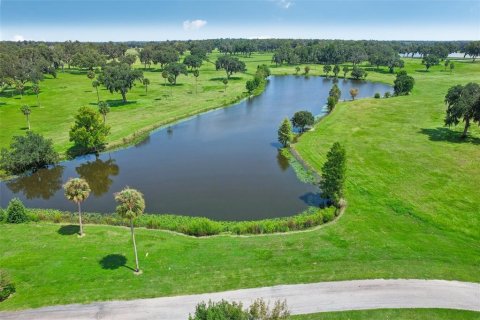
(41, 184)
(97, 173)
(282, 161)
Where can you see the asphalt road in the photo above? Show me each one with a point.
(301, 299)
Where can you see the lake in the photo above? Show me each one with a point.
(222, 164)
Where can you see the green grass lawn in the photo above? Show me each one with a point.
(61, 97)
(413, 209)
(394, 314)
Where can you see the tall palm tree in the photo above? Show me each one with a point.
(26, 112)
(77, 190)
(130, 206)
(225, 82)
(196, 74)
(103, 108)
(36, 91)
(95, 84)
(146, 82)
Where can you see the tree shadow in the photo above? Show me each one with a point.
(221, 78)
(68, 230)
(114, 261)
(119, 103)
(446, 134)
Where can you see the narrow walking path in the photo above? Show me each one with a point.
(301, 299)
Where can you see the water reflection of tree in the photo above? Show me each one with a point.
(44, 183)
(97, 173)
(282, 161)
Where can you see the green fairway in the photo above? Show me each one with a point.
(412, 191)
(60, 98)
(394, 314)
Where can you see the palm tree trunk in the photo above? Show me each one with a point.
(137, 269)
(28, 121)
(98, 96)
(38, 102)
(80, 218)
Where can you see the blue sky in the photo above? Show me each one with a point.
(123, 20)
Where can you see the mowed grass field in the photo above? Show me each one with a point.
(397, 314)
(60, 99)
(413, 212)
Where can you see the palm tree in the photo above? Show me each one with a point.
(196, 74)
(91, 74)
(36, 91)
(103, 108)
(165, 77)
(95, 84)
(225, 82)
(26, 112)
(146, 82)
(131, 205)
(77, 190)
(353, 93)
(20, 86)
(297, 69)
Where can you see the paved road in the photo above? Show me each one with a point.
(301, 299)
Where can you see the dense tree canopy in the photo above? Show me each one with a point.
(175, 69)
(89, 133)
(302, 120)
(403, 84)
(463, 103)
(193, 62)
(29, 152)
(118, 77)
(230, 65)
(333, 174)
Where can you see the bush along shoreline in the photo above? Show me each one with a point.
(193, 226)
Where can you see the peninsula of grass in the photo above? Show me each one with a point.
(412, 189)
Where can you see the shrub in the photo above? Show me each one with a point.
(196, 226)
(303, 119)
(377, 95)
(6, 286)
(225, 310)
(403, 84)
(16, 212)
(387, 95)
(3, 215)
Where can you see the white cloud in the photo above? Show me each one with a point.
(285, 4)
(194, 24)
(18, 37)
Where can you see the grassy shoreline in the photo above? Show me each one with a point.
(196, 226)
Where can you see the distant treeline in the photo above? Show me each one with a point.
(25, 61)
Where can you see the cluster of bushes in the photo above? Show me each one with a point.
(386, 95)
(194, 226)
(6, 286)
(263, 72)
(224, 310)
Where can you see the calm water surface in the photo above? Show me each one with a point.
(222, 164)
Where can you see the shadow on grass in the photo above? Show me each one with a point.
(115, 103)
(68, 230)
(114, 261)
(446, 134)
(221, 78)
